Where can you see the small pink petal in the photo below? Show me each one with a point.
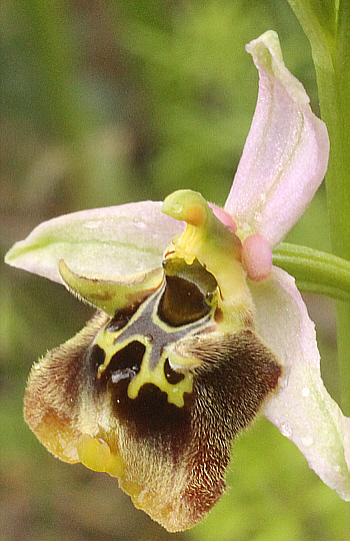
(256, 257)
(302, 408)
(223, 216)
(286, 153)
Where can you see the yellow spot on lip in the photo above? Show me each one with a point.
(96, 455)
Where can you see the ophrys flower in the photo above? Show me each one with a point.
(196, 331)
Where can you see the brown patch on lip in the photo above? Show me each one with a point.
(53, 394)
(236, 375)
(179, 456)
(171, 375)
(151, 420)
(176, 456)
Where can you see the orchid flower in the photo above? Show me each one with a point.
(196, 331)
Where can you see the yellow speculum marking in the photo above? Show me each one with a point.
(175, 392)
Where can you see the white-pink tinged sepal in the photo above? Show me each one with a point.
(286, 153)
(302, 409)
(104, 243)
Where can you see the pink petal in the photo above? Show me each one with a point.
(286, 153)
(256, 257)
(103, 243)
(223, 216)
(302, 408)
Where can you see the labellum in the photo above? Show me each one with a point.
(156, 386)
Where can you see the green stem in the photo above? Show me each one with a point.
(315, 271)
(334, 92)
(318, 19)
(330, 43)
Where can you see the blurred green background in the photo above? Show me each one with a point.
(103, 103)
